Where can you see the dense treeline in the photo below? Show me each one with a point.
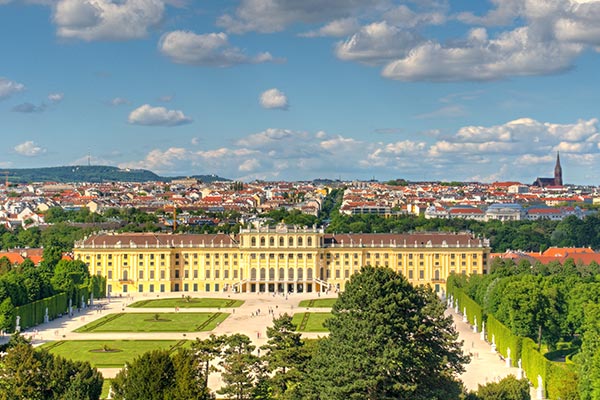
(25, 283)
(55, 238)
(557, 306)
(32, 374)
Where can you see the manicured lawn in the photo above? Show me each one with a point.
(193, 302)
(91, 350)
(146, 322)
(318, 303)
(105, 388)
(310, 322)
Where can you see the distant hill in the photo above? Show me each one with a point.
(94, 174)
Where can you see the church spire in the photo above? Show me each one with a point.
(558, 171)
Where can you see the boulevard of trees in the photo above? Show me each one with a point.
(550, 309)
(27, 290)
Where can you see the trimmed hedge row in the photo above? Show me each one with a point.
(464, 301)
(558, 378)
(504, 339)
(33, 313)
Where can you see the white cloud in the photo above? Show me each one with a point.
(448, 111)
(272, 138)
(531, 159)
(517, 52)
(8, 88)
(267, 16)
(211, 49)
(29, 108)
(118, 101)
(274, 99)
(268, 154)
(249, 165)
(336, 28)
(107, 19)
(157, 116)
(29, 149)
(404, 17)
(377, 43)
(520, 149)
(56, 97)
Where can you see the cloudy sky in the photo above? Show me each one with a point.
(284, 89)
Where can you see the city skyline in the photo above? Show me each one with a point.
(287, 90)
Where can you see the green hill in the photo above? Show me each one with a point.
(94, 174)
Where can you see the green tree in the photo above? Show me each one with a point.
(206, 352)
(241, 369)
(285, 356)
(7, 315)
(148, 377)
(70, 274)
(588, 359)
(388, 340)
(31, 374)
(509, 388)
(189, 377)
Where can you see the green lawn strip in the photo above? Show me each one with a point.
(212, 322)
(105, 388)
(194, 302)
(324, 303)
(310, 322)
(146, 322)
(92, 326)
(119, 351)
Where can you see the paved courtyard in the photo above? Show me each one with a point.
(252, 319)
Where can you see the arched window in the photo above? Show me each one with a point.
(436, 275)
(291, 273)
(271, 241)
(262, 241)
(309, 273)
(300, 241)
(271, 274)
(309, 242)
(281, 242)
(281, 274)
(253, 241)
(262, 274)
(291, 241)
(253, 274)
(300, 273)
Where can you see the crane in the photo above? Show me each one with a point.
(172, 207)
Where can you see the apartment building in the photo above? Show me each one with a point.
(281, 259)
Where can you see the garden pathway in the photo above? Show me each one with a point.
(252, 319)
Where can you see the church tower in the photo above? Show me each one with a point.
(558, 172)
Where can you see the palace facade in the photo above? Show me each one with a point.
(282, 259)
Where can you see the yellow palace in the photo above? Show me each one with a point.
(282, 259)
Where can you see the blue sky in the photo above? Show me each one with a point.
(297, 90)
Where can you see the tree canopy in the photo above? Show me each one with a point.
(388, 340)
